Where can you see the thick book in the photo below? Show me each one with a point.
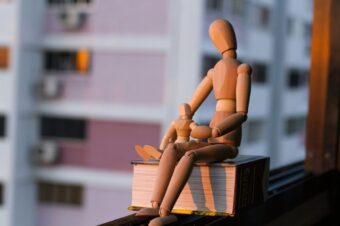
(216, 189)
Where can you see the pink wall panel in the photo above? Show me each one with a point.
(104, 204)
(119, 78)
(118, 17)
(76, 86)
(73, 153)
(60, 215)
(100, 205)
(130, 16)
(128, 78)
(109, 145)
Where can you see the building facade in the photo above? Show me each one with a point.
(83, 81)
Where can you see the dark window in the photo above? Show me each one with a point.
(60, 61)
(1, 194)
(294, 79)
(297, 78)
(264, 16)
(290, 25)
(307, 34)
(259, 73)
(307, 31)
(238, 7)
(255, 131)
(58, 2)
(63, 128)
(214, 4)
(295, 125)
(260, 15)
(208, 63)
(58, 193)
(4, 57)
(2, 126)
(67, 61)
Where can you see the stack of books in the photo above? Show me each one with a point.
(213, 189)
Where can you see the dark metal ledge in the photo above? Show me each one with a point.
(289, 187)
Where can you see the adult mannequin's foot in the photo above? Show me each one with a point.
(165, 220)
(151, 212)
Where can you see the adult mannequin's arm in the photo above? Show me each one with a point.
(201, 92)
(242, 102)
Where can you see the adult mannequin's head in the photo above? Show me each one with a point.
(222, 34)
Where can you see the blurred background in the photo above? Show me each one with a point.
(83, 81)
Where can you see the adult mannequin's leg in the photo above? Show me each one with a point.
(166, 167)
(167, 164)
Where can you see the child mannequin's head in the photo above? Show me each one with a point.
(185, 111)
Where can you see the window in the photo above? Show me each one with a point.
(4, 57)
(238, 7)
(297, 78)
(295, 125)
(259, 73)
(68, 61)
(63, 128)
(261, 16)
(307, 31)
(59, 2)
(264, 16)
(2, 126)
(294, 79)
(208, 63)
(1, 194)
(215, 4)
(290, 25)
(59, 193)
(254, 131)
(307, 35)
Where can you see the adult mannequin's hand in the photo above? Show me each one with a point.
(215, 132)
(201, 132)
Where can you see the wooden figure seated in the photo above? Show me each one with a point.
(229, 79)
(178, 132)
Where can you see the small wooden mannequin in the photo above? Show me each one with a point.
(230, 81)
(178, 132)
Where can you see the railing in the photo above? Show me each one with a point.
(289, 187)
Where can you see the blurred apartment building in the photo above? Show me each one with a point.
(83, 81)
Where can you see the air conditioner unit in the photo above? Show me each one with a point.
(50, 87)
(45, 153)
(72, 18)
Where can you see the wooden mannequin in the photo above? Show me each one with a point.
(230, 81)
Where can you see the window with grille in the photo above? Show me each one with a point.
(259, 74)
(68, 61)
(63, 128)
(2, 126)
(1, 194)
(60, 193)
(60, 2)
